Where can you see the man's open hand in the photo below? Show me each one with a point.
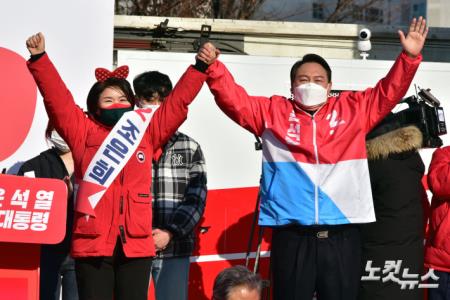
(414, 41)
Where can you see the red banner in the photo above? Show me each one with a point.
(32, 210)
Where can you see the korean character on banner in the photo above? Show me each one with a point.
(426, 277)
(371, 270)
(391, 268)
(101, 171)
(44, 200)
(8, 216)
(129, 133)
(20, 198)
(39, 221)
(22, 220)
(2, 195)
(409, 283)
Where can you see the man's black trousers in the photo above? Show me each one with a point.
(325, 260)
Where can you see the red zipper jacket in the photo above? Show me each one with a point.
(314, 169)
(437, 248)
(125, 209)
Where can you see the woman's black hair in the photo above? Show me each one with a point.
(100, 86)
(49, 129)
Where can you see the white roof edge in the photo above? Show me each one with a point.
(240, 26)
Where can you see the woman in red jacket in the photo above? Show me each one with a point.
(437, 248)
(112, 148)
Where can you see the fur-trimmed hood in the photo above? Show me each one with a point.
(396, 141)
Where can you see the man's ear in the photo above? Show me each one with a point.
(330, 84)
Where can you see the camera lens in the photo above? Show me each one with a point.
(363, 34)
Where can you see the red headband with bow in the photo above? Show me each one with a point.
(102, 74)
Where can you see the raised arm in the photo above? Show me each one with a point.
(251, 112)
(377, 102)
(173, 110)
(69, 119)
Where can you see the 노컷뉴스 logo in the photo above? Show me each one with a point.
(393, 271)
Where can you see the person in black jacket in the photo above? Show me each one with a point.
(396, 170)
(57, 268)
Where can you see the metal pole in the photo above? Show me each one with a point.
(252, 231)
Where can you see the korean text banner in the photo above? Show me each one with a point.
(32, 210)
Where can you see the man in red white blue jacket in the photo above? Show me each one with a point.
(315, 182)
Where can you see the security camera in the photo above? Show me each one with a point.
(364, 44)
(365, 34)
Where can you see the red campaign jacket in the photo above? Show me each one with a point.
(314, 169)
(437, 248)
(125, 209)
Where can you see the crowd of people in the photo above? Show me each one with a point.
(340, 201)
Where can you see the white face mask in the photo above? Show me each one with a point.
(310, 94)
(144, 105)
(58, 142)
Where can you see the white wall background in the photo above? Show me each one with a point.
(79, 38)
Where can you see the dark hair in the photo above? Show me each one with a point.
(99, 87)
(49, 129)
(148, 83)
(311, 58)
(233, 277)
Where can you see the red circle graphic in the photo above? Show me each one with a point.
(18, 102)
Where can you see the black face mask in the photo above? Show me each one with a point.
(110, 116)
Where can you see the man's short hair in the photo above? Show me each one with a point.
(233, 277)
(311, 58)
(148, 83)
